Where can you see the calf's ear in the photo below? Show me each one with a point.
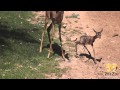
(101, 30)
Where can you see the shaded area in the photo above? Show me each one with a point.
(8, 36)
(56, 50)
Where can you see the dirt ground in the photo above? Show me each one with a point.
(107, 48)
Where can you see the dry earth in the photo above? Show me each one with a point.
(107, 48)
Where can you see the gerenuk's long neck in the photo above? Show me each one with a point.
(94, 38)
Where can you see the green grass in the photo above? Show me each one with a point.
(19, 48)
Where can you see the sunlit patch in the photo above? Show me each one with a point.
(3, 75)
(6, 63)
(32, 68)
(18, 65)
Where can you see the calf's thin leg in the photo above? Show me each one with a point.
(87, 49)
(94, 54)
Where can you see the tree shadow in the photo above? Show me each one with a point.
(7, 35)
(57, 50)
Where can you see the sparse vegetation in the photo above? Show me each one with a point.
(76, 31)
(73, 16)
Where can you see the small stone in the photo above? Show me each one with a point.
(114, 35)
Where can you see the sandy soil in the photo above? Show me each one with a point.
(107, 48)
